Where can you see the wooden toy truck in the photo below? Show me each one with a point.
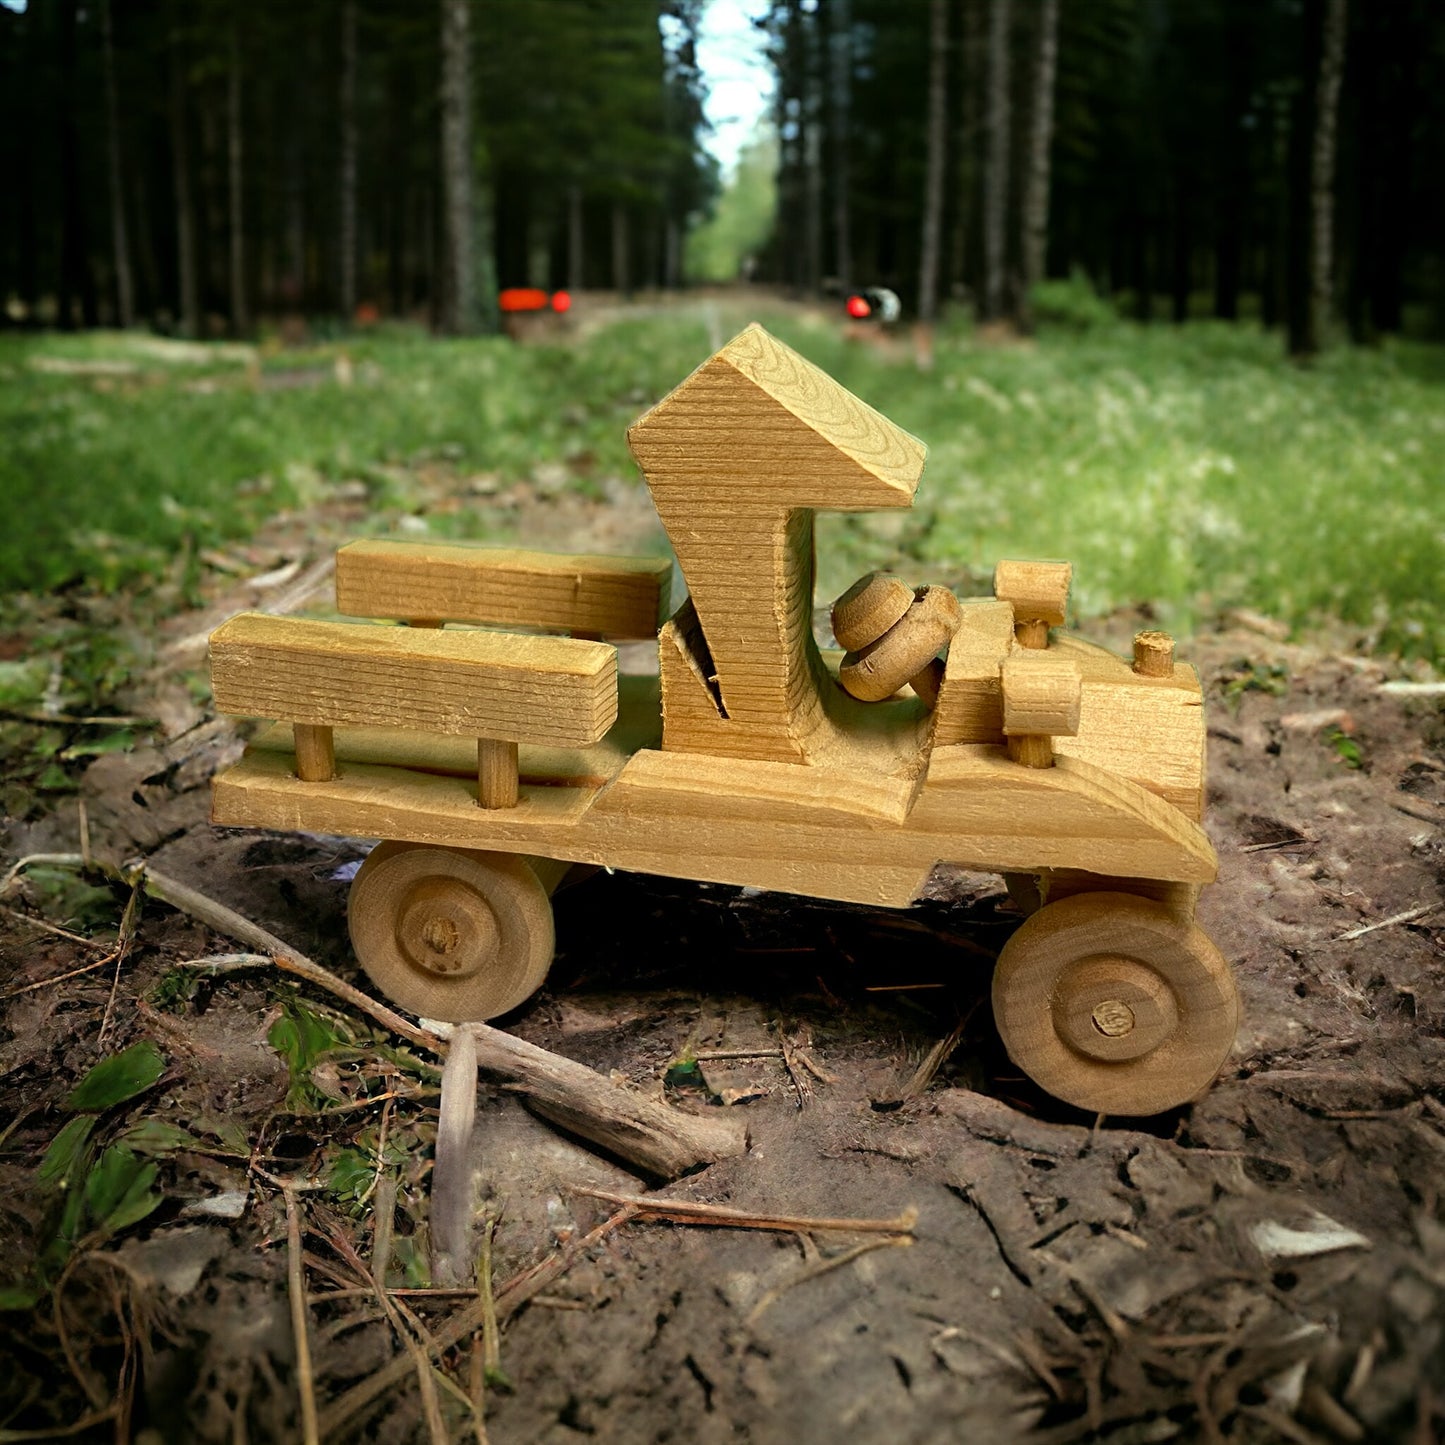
(490, 761)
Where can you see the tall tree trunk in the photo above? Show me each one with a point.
(77, 281)
(459, 307)
(996, 162)
(671, 253)
(842, 94)
(346, 294)
(188, 299)
(1041, 139)
(575, 254)
(933, 179)
(813, 154)
(1322, 173)
(240, 311)
(120, 241)
(621, 260)
(966, 145)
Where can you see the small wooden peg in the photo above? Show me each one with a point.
(1153, 654)
(893, 660)
(315, 753)
(496, 773)
(1039, 592)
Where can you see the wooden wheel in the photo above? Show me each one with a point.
(450, 933)
(1113, 1003)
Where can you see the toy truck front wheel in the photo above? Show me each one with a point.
(1115, 1003)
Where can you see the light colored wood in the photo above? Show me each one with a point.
(1039, 593)
(928, 682)
(1041, 694)
(482, 684)
(970, 700)
(638, 726)
(497, 773)
(315, 753)
(450, 934)
(737, 457)
(1032, 750)
(821, 832)
(892, 660)
(1153, 654)
(621, 597)
(869, 608)
(1109, 1002)
(1149, 730)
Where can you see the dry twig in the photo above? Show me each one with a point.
(821, 1267)
(687, 1211)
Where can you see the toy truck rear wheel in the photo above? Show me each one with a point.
(451, 933)
(1115, 1003)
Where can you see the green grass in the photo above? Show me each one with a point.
(1188, 467)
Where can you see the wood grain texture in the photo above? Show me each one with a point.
(891, 660)
(1042, 694)
(1113, 1003)
(869, 608)
(315, 753)
(552, 690)
(970, 700)
(638, 725)
(1039, 591)
(737, 457)
(814, 831)
(619, 597)
(1153, 653)
(451, 934)
(497, 773)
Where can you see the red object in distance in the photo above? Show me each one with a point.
(522, 298)
(561, 301)
(858, 308)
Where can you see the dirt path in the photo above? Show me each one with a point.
(1269, 1264)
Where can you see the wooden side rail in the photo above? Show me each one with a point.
(428, 582)
(500, 688)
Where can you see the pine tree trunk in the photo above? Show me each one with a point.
(933, 179)
(842, 88)
(575, 253)
(996, 162)
(813, 155)
(621, 261)
(77, 281)
(240, 312)
(188, 301)
(120, 240)
(1041, 138)
(346, 294)
(966, 146)
(1322, 172)
(459, 306)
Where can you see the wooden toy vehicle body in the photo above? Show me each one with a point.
(491, 761)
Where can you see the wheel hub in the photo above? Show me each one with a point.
(1113, 1008)
(446, 928)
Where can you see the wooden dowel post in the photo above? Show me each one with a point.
(1153, 654)
(1031, 632)
(1033, 750)
(496, 773)
(315, 753)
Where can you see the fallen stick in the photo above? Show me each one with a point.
(1408, 916)
(657, 1138)
(687, 1211)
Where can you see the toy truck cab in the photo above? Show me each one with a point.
(489, 761)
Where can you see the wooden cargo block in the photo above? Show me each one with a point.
(554, 691)
(1039, 591)
(622, 597)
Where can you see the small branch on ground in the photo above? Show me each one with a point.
(686, 1211)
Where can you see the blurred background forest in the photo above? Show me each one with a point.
(1109, 222)
(199, 166)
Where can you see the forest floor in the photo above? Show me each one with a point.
(1266, 1264)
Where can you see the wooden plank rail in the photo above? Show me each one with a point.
(500, 688)
(620, 597)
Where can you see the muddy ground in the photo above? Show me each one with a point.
(1268, 1264)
